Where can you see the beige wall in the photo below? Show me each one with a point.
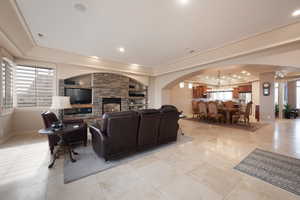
(292, 93)
(287, 55)
(25, 120)
(5, 119)
(267, 105)
(255, 95)
(182, 99)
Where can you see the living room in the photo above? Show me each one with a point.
(127, 100)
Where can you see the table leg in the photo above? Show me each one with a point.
(55, 156)
(227, 117)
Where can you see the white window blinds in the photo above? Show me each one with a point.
(7, 85)
(34, 86)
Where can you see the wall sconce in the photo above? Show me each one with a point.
(181, 84)
(190, 85)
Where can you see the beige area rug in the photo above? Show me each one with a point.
(254, 126)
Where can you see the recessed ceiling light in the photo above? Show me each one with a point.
(296, 13)
(244, 72)
(95, 57)
(248, 74)
(183, 1)
(80, 7)
(121, 49)
(134, 66)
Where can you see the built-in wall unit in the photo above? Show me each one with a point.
(92, 95)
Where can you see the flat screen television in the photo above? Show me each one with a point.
(79, 95)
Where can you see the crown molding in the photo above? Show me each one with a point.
(18, 40)
(257, 43)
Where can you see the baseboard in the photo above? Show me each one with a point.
(4, 139)
(25, 132)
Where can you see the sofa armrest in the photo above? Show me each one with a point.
(97, 132)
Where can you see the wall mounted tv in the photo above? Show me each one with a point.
(79, 95)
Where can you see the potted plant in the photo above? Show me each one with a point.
(287, 111)
(276, 110)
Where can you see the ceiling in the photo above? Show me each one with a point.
(153, 32)
(240, 74)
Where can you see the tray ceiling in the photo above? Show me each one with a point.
(152, 32)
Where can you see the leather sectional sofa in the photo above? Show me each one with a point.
(123, 133)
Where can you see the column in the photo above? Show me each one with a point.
(267, 105)
(280, 99)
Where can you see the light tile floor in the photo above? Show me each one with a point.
(200, 169)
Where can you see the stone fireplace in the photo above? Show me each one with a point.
(111, 105)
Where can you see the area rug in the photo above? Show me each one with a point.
(279, 170)
(254, 126)
(88, 163)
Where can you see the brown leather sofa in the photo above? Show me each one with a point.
(126, 132)
(148, 128)
(168, 127)
(77, 136)
(116, 136)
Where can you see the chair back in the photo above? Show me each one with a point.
(49, 118)
(148, 128)
(229, 104)
(248, 110)
(212, 108)
(195, 107)
(202, 107)
(168, 127)
(121, 130)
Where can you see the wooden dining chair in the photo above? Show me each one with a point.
(195, 108)
(202, 110)
(213, 113)
(229, 104)
(243, 115)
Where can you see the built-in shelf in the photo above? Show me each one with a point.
(134, 105)
(78, 86)
(82, 105)
(137, 97)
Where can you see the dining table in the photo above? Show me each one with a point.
(229, 111)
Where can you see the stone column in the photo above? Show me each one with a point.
(267, 105)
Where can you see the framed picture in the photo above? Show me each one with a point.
(266, 88)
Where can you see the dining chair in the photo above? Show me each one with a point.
(243, 115)
(213, 113)
(195, 108)
(202, 110)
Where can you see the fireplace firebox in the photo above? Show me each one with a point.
(111, 105)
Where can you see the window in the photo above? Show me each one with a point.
(276, 90)
(34, 86)
(7, 85)
(220, 95)
(298, 94)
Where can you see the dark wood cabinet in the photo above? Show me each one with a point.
(245, 88)
(199, 92)
(235, 93)
(241, 89)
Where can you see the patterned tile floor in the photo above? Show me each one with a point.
(200, 169)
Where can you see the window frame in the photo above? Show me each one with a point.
(40, 66)
(6, 110)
